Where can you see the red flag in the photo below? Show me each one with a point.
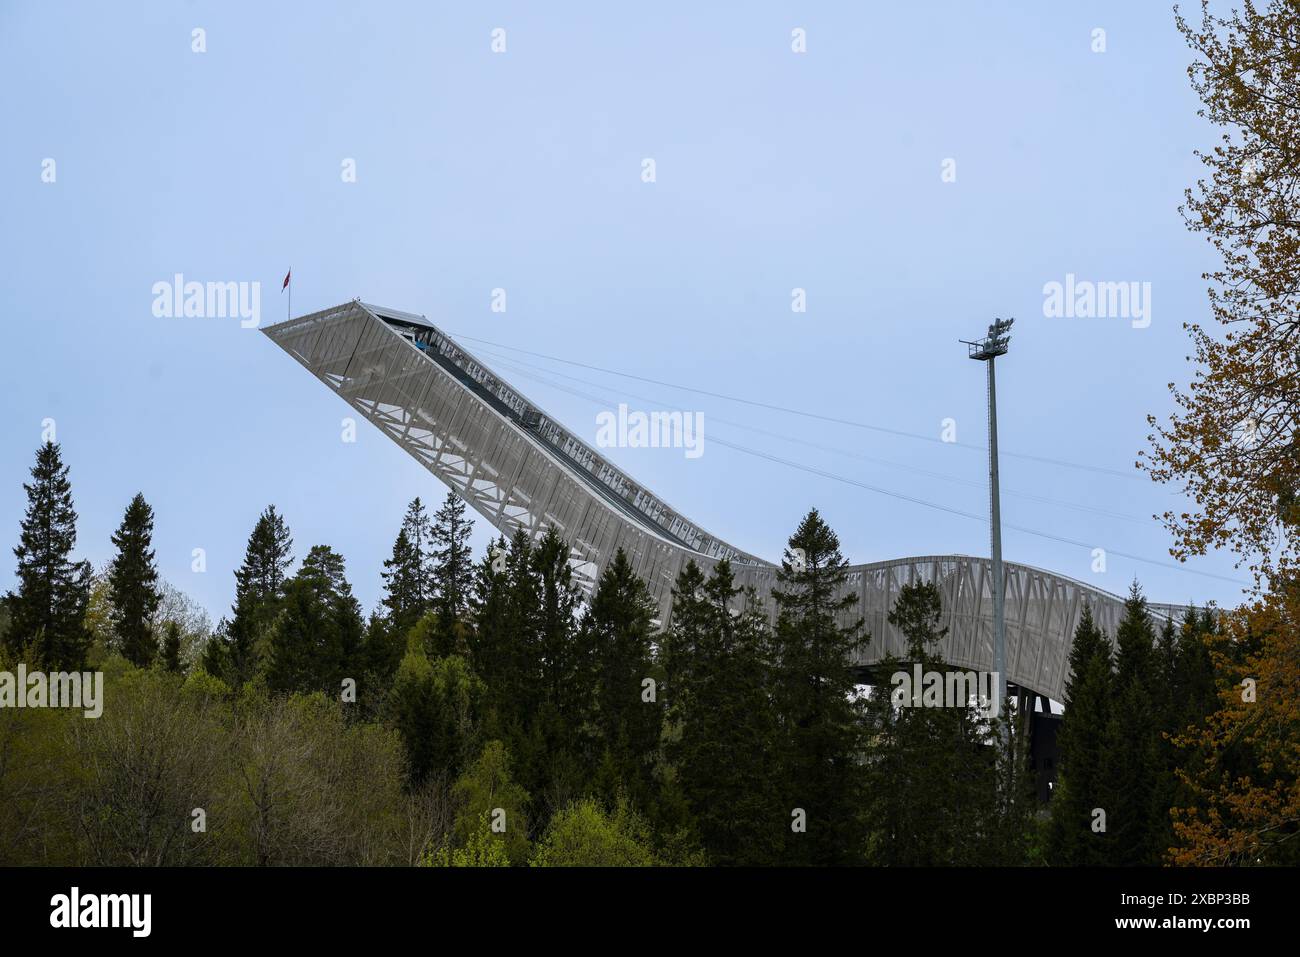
(286, 280)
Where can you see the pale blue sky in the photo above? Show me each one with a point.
(522, 170)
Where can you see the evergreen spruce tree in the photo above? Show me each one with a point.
(453, 571)
(934, 795)
(618, 635)
(717, 680)
(317, 637)
(380, 655)
(523, 645)
(821, 718)
(408, 575)
(1190, 701)
(685, 645)
(566, 676)
(1082, 740)
(1168, 713)
(1134, 818)
(1194, 676)
(133, 585)
(520, 694)
(48, 609)
(436, 707)
(238, 647)
(344, 644)
(549, 762)
(489, 642)
(382, 650)
(170, 656)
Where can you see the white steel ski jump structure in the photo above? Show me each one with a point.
(522, 471)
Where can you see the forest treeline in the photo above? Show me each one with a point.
(488, 714)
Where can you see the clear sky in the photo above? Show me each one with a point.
(522, 171)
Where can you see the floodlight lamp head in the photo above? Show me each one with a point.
(995, 343)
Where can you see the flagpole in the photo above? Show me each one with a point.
(290, 315)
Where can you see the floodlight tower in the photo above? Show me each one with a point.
(987, 350)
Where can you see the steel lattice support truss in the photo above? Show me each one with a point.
(523, 471)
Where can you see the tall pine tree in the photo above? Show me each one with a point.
(235, 653)
(1081, 786)
(408, 574)
(490, 643)
(821, 717)
(170, 652)
(934, 791)
(717, 681)
(1134, 815)
(316, 640)
(48, 610)
(618, 635)
(453, 570)
(133, 585)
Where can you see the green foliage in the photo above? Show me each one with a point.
(435, 707)
(481, 849)
(171, 648)
(316, 640)
(940, 787)
(408, 574)
(1082, 739)
(1135, 824)
(575, 733)
(487, 792)
(310, 788)
(584, 835)
(820, 716)
(236, 650)
(539, 675)
(133, 584)
(452, 568)
(152, 757)
(199, 682)
(47, 612)
(381, 653)
(1117, 755)
(616, 637)
(718, 673)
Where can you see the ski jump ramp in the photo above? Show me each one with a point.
(522, 471)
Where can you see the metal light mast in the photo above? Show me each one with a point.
(987, 350)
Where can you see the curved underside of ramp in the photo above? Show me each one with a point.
(523, 471)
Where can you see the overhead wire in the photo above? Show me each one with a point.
(848, 480)
(515, 365)
(902, 433)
